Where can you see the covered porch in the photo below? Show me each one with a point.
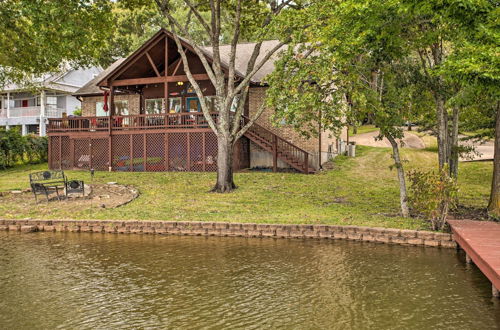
(142, 114)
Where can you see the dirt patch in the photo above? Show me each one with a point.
(100, 196)
(469, 213)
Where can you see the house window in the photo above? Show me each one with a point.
(154, 106)
(174, 105)
(121, 109)
(52, 100)
(99, 109)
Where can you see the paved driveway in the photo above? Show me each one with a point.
(485, 150)
(410, 140)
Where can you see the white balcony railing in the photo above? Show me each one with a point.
(24, 112)
(50, 112)
(53, 112)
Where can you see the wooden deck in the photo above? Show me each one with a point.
(481, 242)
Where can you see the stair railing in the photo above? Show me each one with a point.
(279, 146)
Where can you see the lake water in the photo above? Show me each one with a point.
(99, 281)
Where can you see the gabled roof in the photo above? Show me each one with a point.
(56, 81)
(243, 54)
(91, 87)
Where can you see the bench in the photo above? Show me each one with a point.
(46, 182)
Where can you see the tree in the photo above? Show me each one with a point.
(477, 66)
(132, 26)
(353, 61)
(438, 31)
(252, 19)
(38, 36)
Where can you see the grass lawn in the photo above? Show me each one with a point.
(359, 191)
(363, 129)
(430, 141)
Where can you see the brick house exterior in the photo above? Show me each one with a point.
(145, 135)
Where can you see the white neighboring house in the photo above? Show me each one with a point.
(19, 106)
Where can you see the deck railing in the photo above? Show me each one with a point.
(279, 147)
(130, 122)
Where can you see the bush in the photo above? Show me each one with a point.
(15, 148)
(77, 112)
(431, 195)
(36, 148)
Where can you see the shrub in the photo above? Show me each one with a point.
(431, 195)
(36, 148)
(77, 112)
(15, 148)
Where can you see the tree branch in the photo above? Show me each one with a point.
(249, 76)
(175, 24)
(194, 83)
(250, 122)
(199, 17)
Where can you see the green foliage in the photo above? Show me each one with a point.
(36, 148)
(38, 36)
(133, 23)
(432, 194)
(16, 149)
(77, 112)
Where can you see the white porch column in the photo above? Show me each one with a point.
(8, 110)
(3, 108)
(24, 129)
(41, 127)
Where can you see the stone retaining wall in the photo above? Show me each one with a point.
(368, 234)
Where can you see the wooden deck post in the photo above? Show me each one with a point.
(90, 153)
(144, 151)
(494, 291)
(165, 151)
(49, 155)
(131, 150)
(110, 124)
(275, 153)
(204, 152)
(306, 163)
(188, 160)
(60, 152)
(165, 85)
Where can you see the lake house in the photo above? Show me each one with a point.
(49, 96)
(141, 114)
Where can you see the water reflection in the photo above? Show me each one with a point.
(67, 280)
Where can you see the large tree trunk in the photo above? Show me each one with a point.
(442, 129)
(453, 145)
(403, 196)
(225, 182)
(494, 205)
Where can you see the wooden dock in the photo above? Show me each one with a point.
(481, 242)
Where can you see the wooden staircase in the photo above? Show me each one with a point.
(279, 148)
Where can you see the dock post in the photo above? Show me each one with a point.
(494, 291)
(468, 260)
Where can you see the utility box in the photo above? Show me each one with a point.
(342, 147)
(351, 149)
